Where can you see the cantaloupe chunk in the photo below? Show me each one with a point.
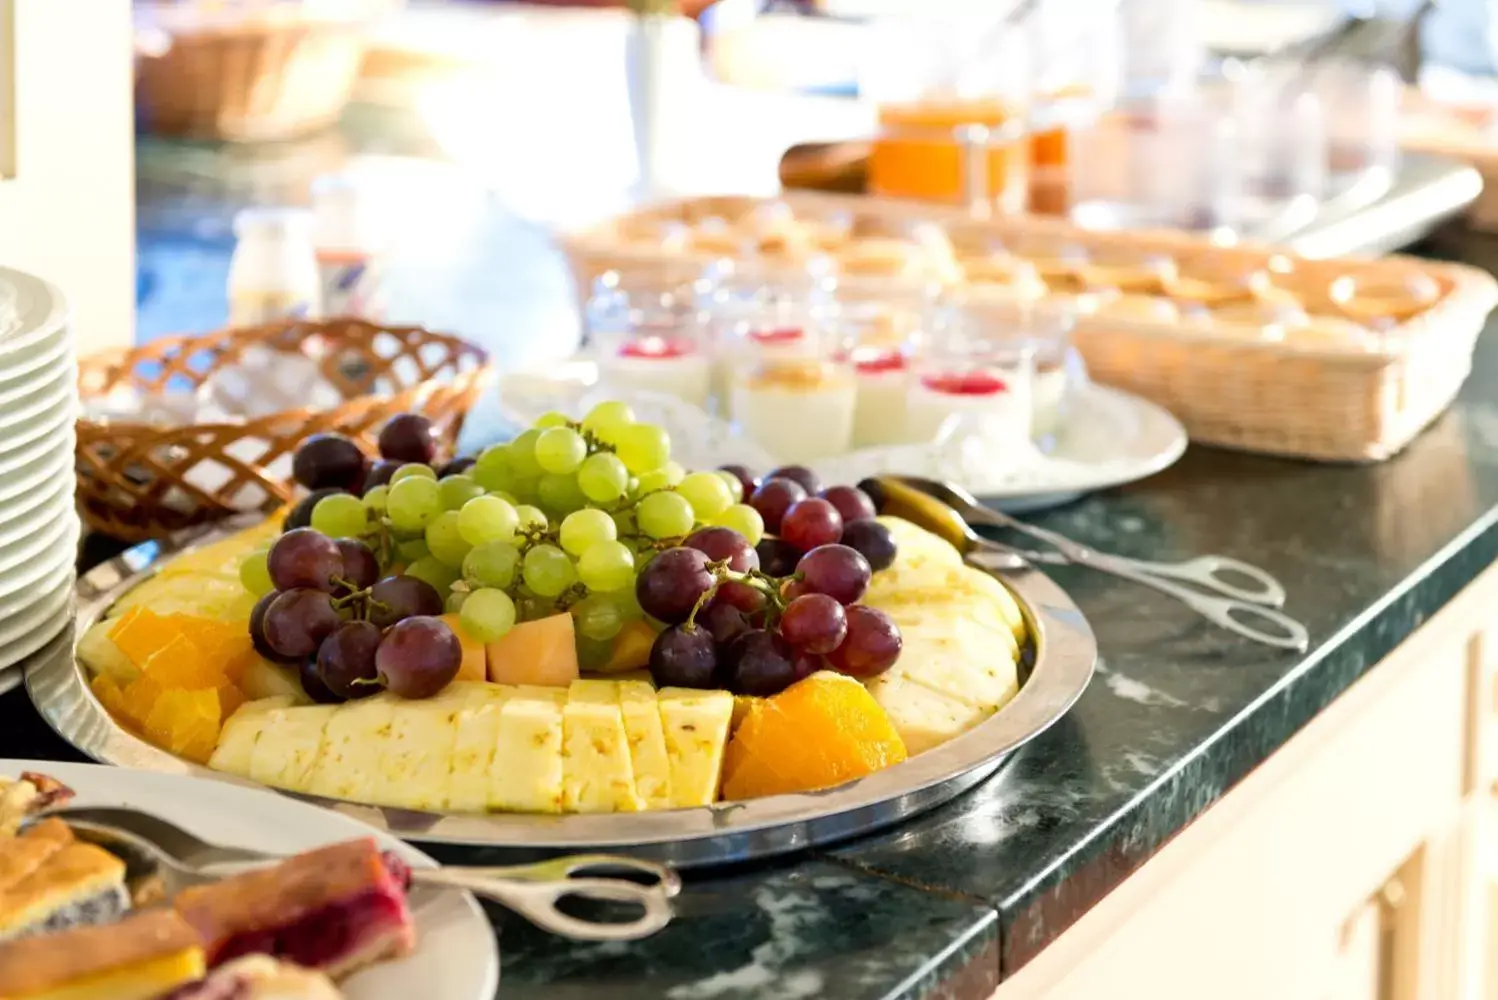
(631, 648)
(475, 661)
(140, 632)
(542, 652)
(140, 697)
(181, 665)
(110, 695)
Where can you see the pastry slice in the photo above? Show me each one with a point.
(259, 977)
(140, 958)
(49, 881)
(31, 793)
(335, 909)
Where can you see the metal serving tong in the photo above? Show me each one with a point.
(155, 849)
(1241, 608)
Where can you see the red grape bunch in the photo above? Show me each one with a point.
(756, 619)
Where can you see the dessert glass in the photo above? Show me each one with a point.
(973, 376)
(649, 334)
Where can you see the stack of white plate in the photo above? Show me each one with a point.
(39, 525)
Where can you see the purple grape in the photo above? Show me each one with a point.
(297, 622)
(814, 623)
(873, 541)
(745, 596)
(379, 474)
(325, 460)
(809, 480)
(304, 558)
(300, 515)
(724, 543)
(835, 570)
(851, 502)
(723, 621)
(313, 685)
(759, 663)
(773, 498)
(398, 597)
(418, 657)
(360, 566)
(684, 657)
(776, 557)
(346, 660)
(670, 584)
(811, 522)
(872, 646)
(257, 630)
(408, 437)
(744, 476)
(456, 467)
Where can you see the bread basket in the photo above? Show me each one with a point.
(139, 479)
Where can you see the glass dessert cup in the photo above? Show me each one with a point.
(798, 409)
(1034, 337)
(649, 335)
(759, 316)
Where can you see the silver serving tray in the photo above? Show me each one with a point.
(1061, 659)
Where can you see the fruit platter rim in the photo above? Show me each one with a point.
(1064, 657)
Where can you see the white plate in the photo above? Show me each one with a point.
(11, 678)
(19, 589)
(31, 311)
(38, 635)
(455, 958)
(21, 516)
(16, 397)
(21, 627)
(51, 425)
(37, 363)
(32, 409)
(21, 478)
(46, 532)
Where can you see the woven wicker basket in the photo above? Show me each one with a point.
(142, 480)
(1331, 403)
(262, 76)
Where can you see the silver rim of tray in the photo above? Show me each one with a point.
(1064, 654)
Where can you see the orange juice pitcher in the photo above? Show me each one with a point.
(952, 150)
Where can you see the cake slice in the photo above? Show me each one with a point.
(335, 909)
(30, 793)
(259, 977)
(139, 958)
(49, 881)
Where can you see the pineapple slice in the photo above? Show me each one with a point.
(353, 749)
(236, 742)
(695, 726)
(289, 745)
(597, 774)
(416, 763)
(527, 771)
(99, 652)
(647, 743)
(473, 751)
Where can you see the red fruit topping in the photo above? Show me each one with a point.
(877, 362)
(658, 348)
(777, 335)
(965, 384)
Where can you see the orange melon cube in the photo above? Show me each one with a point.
(817, 733)
(631, 648)
(542, 652)
(138, 633)
(186, 723)
(181, 665)
(229, 699)
(140, 698)
(110, 695)
(475, 665)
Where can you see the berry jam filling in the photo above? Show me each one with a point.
(326, 937)
(965, 384)
(877, 362)
(777, 335)
(658, 348)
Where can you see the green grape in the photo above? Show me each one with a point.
(413, 549)
(491, 564)
(531, 517)
(434, 571)
(603, 478)
(487, 519)
(458, 490)
(487, 614)
(592, 654)
(745, 520)
(583, 529)
(413, 469)
(525, 491)
(494, 469)
(606, 420)
(606, 566)
(708, 494)
(412, 503)
(374, 499)
(560, 450)
(445, 539)
(559, 493)
(553, 418)
(255, 574)
(642, 447)
(735, 488)
(624, 523)
(674, 473)
(597, 617)
(340, 515)
(508, 498)
(454, 603)
(523, 455)
(547, 570)
(665, 515)
(628, 603)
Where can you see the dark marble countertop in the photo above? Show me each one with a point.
(950, 903)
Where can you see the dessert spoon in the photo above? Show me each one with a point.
(951, 511)
(163, 858)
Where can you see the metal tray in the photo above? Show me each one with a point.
(1060, 663)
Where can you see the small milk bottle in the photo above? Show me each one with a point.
(348, 248)
(273, 274)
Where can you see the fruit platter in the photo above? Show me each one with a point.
(568, 641)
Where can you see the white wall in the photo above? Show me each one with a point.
(68, 212)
